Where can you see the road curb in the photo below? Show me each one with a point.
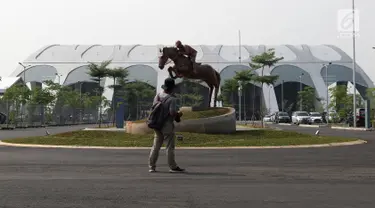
(309, 126)
(105, 129)
(357, 142)
(350, 128)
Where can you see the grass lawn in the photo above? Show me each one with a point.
(261, 137)
(188, 115)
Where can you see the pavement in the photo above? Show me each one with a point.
(292, 178)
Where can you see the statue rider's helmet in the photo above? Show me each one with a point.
(178, 44)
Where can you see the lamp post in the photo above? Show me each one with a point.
(24, 80)
(239, 100)
(327, 96)
(80, 100)
(269, 99)
(300, 89)
(58, 77)
(282, 96)
(354, 82)
(24, 70)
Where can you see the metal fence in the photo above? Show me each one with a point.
(28, 115)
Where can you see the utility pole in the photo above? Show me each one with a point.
(24, 80)
(239, 100)
(354, 82)
(327, 94)
(300, 89)
(282, 96)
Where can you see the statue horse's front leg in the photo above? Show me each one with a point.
(174, 69)
(170, 70)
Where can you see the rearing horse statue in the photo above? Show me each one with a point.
(182, 68)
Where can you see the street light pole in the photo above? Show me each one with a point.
(282, 96)
(327, 100)
(24, 71)
(58, 77)
(269, 99)
(24, 80)
(300, 89)
(354, 82)
(239, 100)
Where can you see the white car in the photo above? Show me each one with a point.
(267, 118)
(316, 117)
(301, 117)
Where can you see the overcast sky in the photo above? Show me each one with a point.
(27, 25)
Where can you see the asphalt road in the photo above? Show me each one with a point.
(292, 178)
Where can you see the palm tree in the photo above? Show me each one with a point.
(266, 59)
(116, 74)
(228, 89)
(138, 94)
(98, 72)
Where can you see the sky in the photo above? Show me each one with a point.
(28, 25)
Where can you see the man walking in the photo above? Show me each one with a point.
(167, 133)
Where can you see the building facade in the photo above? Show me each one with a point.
(302, 66)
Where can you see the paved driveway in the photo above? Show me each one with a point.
(291, 178)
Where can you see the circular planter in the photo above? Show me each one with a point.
(223, 124)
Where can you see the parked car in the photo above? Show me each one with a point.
(282, 117)
(301, 117)
(267, 118)
(316, 117)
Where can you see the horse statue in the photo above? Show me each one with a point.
(182, 68)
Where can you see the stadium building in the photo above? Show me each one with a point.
(302, 66)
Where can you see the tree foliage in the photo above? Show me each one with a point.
(190, 94)
(99, 71)
(309, 99)
(228, 89)
(268, 58)
(341, 102)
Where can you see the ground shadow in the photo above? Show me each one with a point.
(203, 173)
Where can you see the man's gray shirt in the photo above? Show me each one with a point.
(170, 108)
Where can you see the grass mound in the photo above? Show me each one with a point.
(260, 137)
(188, 115)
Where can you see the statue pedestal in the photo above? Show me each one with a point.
(194, 108)
(222, 124)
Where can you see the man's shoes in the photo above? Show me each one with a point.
(177, 170)
(152, 170)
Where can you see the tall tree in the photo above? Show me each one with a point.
(341, 102)
(15, 96)
(189, 94)
(72, 99)
(139, 97)
(228, 89)
(266, 59)
(370, 94)
(98, 72)
(40, 97)
(115, 74)
(309, 99)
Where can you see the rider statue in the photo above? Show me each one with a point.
(188, 51)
